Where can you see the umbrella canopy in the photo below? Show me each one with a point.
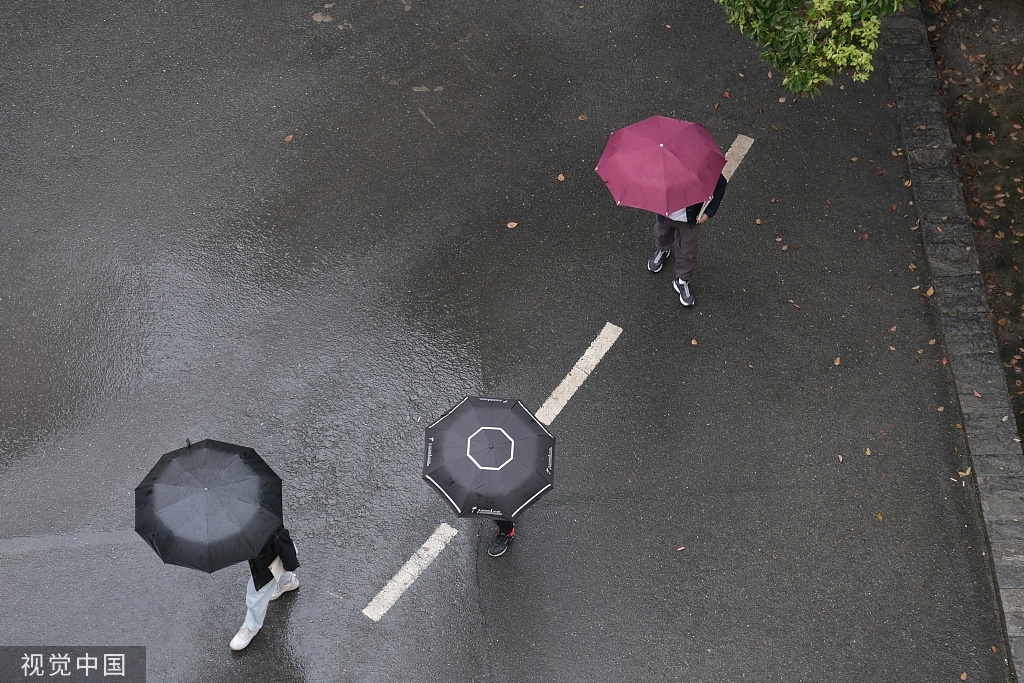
(208, 505)
(489, 457)
(661, 165)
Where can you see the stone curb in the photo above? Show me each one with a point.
(965, 325)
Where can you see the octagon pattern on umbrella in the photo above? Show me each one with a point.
(490, 448)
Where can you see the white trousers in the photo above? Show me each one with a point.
(257, 601)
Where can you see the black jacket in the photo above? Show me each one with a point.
(280, 544)
(693, 211)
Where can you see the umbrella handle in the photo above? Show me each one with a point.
(702, 210)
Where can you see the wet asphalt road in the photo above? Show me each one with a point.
(173, 268)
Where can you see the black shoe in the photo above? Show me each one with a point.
(682, 287)
(501, 543)
(655, 263)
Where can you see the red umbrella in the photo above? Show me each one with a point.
(661, 165)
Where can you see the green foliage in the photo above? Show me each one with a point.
(810, 41)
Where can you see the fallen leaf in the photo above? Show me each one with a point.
(928, 293)
(775, 126)
(682, 547)
(963, 676)
(965, 473)
(944, 361)
(941, 409)
(912, 266)
(693, 342)
(837, 361)
(854, 158)
(931, 342)
(893, 207)
(865, 236)
(892, 329)
(726, 94)
(795, 304)
(867, 451)
(976, 393)
(880, 517)
(840, 457)
(561, 177)
(289, 137)
(908, 183)
(782, 99)
(582, 117)
(892, 348)
(785, 247)
(757, 221)
(511, 224)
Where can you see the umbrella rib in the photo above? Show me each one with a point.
(448, 413)
(454, 504)
(546, 487)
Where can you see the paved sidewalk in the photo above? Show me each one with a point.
(987, 417)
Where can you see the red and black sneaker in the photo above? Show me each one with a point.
(501, 543)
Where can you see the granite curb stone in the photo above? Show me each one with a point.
(964, 319)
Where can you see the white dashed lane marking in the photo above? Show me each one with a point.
(405, 577)
(738, 150)
(579, 373)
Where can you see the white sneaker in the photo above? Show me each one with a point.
(283, 588)
(243, 638)
(682, 287)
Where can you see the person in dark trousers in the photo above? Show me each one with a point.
(681, 230)
(264, 586)
(506, 534)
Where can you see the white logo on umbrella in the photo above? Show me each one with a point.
(511, 442)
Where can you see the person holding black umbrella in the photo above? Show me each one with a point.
(273, 575)
(206, 506)
(491, 458)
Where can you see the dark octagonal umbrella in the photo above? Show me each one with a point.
(489, 457)
(209, 505)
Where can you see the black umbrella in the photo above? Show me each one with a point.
(489, 457)
(209, 505)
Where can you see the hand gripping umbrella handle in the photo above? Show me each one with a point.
(702, 209)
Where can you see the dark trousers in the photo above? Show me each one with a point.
(682, 238)
(504, 526)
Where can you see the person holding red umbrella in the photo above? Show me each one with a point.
(674, 169)
(681, 230)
